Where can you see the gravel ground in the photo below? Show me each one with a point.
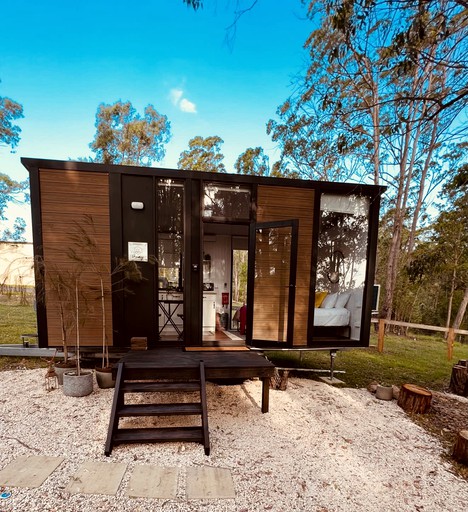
(319, 449)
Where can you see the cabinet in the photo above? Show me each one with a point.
(209, 311)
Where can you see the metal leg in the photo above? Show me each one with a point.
(332, 362)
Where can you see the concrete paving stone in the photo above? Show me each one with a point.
(29, 471)
(153, 482)
(333, 381)
(97, 478)
(209, 482)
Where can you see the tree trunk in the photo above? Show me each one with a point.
(450, 302)
(279, 380)
(414, 399)
(460, 450)
(459, 380)
(461, 310)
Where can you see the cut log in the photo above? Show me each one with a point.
(414, 399)
(458, 380)
(279, 380)
(460, 450)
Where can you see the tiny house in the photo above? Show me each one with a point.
(276, 263)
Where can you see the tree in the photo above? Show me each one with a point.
(125, 137)
(384, 91)
(440, 264)
(17, 234)
(254, 162)
(10, 111)
(10, 189)
(455, 221)
(204, 154)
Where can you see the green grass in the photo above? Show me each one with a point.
(422, 361)
(16, 320)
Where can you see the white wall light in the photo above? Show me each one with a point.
(137, 205)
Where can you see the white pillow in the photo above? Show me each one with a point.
(342, 299)
(329, 301)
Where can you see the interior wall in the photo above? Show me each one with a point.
(219, 248)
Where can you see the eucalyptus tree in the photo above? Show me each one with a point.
(123, 136)
(203, 154)
(383, 96)
(10, 112)
(451, 228)
(253, 161)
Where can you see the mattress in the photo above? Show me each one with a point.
(331, 317)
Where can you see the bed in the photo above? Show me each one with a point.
(331, 317)
(330, 309)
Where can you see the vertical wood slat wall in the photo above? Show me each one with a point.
(272, 271)
(66, 197)
(285, 203)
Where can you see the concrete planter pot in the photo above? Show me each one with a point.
(77, 385)
(104, 378)
(384, 392)
(61, 368)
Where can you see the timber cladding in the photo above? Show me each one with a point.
(279, 204)
(74, 206)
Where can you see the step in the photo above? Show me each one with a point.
(152, 435)
(141, 387)
(160, 409)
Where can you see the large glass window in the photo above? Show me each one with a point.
(226, 202)
(170, 215)
(342, 263)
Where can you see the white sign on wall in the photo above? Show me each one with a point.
(137, 251)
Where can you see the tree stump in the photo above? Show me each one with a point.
(414, 399)
(459, 380)
(460, 450)
(279, 380)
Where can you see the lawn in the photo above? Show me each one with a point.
(16, 320)
(417, 359)
(420, 360)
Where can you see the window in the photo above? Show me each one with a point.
(226, 202)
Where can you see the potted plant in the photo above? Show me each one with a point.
(59, 289)
(384, 391)
(77, 382)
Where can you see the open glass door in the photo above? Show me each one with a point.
(272, 283)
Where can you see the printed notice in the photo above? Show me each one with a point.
(137, 251)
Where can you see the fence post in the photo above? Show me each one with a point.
(450, 341)
(380, 342)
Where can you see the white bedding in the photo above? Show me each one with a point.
(331, 317)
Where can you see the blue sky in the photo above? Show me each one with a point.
(60, 60)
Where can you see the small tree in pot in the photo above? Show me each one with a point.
(78, 382)
(58, 286)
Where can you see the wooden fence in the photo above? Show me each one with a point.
(450, 338)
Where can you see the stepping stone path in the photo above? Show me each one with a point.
(28, 471)
(105, 478)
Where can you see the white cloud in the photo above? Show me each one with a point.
(187, 106)
(176, 96)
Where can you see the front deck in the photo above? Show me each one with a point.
(164, 363)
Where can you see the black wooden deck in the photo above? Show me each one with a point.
(164, 363)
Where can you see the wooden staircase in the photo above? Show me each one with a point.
(120, 409)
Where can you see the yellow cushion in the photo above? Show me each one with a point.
(319, 298)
